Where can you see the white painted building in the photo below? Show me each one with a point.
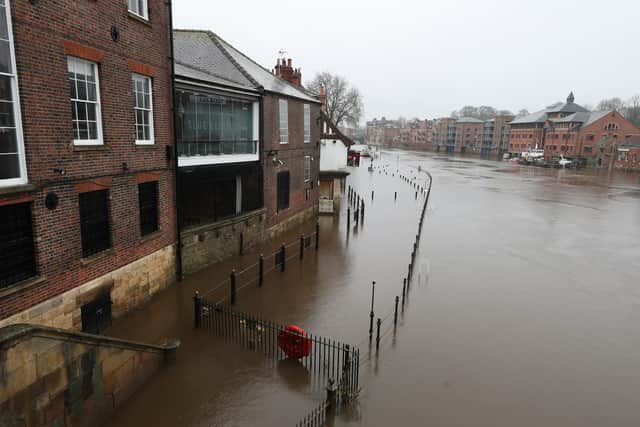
(334, 147)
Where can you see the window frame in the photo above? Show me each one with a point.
(100, 139)
(307, 168)
(17, 110)
(307, 124)
(137, 13)
(151, 140)
(283, 118)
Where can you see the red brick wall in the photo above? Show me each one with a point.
(43, 34)
(597, 129)
(292, 154)
(520, 139)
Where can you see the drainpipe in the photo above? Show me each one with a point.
(176, 188)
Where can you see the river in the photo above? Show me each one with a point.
(524, 309)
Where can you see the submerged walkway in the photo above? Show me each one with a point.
(215, 382)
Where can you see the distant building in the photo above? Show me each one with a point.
(495, 135)
(414, 133)
(628, 157)
(571, 130)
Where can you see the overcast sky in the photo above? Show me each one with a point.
(427, 58)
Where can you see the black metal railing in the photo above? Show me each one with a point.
(317, 417)
(216, 148)
(255, 274)
(327, 360)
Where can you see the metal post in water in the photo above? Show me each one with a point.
(233, 278)
(378, 335)
(395, 314)
(283, 257)
(317, 235)
(416, 195)
(373, 294)
(348, 218)
(395, 196)
(404, 290)
(301, 246)
(261, 271)
(197, 310)
(372, 195)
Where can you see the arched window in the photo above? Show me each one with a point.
(612, 127)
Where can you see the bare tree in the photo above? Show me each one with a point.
(344, 102)
(614, 104)
(632, 110)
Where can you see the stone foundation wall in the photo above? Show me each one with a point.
(292, 222)
(211, 243)
(129, 286)
(52, 377)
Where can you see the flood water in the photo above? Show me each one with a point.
(524, 309)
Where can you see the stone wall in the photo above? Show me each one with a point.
(211, 243)
(53, 377)
(128, 286)
(292, 222)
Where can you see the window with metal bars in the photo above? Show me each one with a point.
(283, 190)
(17, 256)
(148, 203)
(94, 222)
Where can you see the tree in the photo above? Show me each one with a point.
(344, 102)
(632, 110)
(614, 104)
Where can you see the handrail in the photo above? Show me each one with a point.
(11, 333)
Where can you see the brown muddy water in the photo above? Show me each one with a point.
(524, 309)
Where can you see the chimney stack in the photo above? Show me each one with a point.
(322, 97)
(285, 71)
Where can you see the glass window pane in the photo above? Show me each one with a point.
(6, 114)
(5, 57)
(8, 141)
(93, 130)
(91, 112)
(4, 33)
(139, 132)
(81, 107)
(139, 118)
(5, 88)
(83, 131)
(91, 95)
(82, 89)
(9, 166)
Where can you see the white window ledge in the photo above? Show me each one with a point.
(184, 161)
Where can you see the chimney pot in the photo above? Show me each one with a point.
(289, 62)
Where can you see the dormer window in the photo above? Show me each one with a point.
(611, 127)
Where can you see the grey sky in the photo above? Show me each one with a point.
(426, 59)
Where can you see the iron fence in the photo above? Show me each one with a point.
(326, 360)
(316, 418)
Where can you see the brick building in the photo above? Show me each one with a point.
(248, 144)
(571, 130)
(628, 158)
(86, 184)
(495, 135)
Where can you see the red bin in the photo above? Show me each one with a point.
(294, 342)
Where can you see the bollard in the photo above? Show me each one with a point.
(395, 196)
(404, 290)
(373, 294)
(416, 195)
(301, 246)
(348, 218)
(409, 274)
(395, 314)
(283, 257)
(378, 335)
(233, 287)
(197, 310)
(372, 195)
(317, 235)
(362, 212)
(261, 271)
(356, 215)
(241, 243)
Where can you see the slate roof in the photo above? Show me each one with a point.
(537, 117)
(468, 120)
(568, 107)
(584, 118)
(203, 55)
(264, 77)
(198, 57)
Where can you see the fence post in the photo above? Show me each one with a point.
(378, 335)
(283, 257)
(301, 246)
(395, 314)
(395, 196)
(416, 195)
(372, 195)
(348, 218)
(362, 211)
(404, 289)
(233, 278)
(261, 271)
(373, 293)
(317, 235)
(197, 310)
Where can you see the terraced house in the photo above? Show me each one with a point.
(87, 227)
(248, 149)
